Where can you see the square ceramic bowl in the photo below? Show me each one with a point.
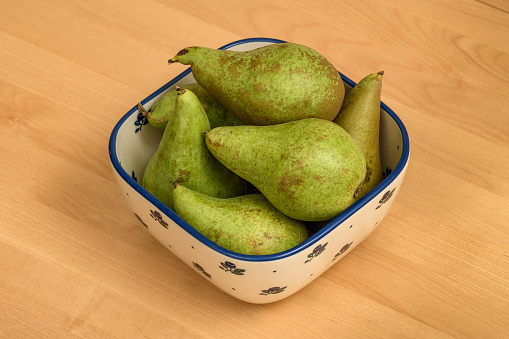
(254, 279)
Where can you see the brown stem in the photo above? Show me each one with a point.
(142, 109)
(175, 58)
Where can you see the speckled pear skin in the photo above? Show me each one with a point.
(360, 117)
(309, 169)
(182, 156)
(218, 115)
(247, 224)
(268, 85)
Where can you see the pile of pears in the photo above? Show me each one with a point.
(264, 144)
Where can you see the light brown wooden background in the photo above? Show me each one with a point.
(75, 262)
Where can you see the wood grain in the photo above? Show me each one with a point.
(75, 262)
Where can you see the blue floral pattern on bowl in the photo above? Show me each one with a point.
(342, 250)
(228, 266)
(386, 197)
(273, 290)
(386, 173)
(159, 218)
(316, 252)
(141, 119)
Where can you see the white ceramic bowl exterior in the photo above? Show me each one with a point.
(255, 279)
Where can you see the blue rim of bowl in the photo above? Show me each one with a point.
(311, 241)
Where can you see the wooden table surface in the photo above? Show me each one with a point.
(74, 260)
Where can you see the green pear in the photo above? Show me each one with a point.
(269, 85)
(163, 108)
(247, 224)
(360, 117)
(182, 156)
(309, 169)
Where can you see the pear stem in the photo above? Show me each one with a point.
(175, 58)
(175, 184)
(381, 73)
(180, 90)
(142, 109)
